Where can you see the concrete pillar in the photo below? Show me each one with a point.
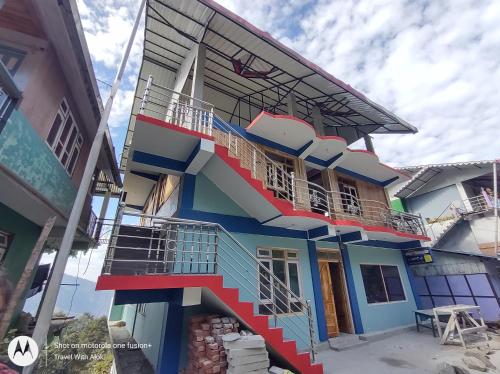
(292, 104)
(199, 72)
(368, 143)
(318, 120)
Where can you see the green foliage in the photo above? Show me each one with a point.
(74, 357)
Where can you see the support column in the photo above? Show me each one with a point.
(318, 121)
(102, 214)
(351, 288)
(199, 72)
(173, 323)
(292, 104)
(369, 143)
(318, 295)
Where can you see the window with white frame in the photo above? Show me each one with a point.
(382, 283)
(284, 265)
(64, 137)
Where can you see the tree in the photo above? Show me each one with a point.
(69, 353)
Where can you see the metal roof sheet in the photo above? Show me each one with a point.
(174, 27)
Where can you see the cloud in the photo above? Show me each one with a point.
(431, 63)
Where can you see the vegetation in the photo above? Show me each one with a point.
(70, 353)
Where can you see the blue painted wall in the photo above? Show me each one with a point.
(432, 204)
(242, 274)
(209, 198)
(30, 158)
(377, 317)
(147, 329)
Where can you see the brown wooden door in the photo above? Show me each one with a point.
(332, 326)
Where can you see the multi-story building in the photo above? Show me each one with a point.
(242, 195)
(456, 201)
(49, 112)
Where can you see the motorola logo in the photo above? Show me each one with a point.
(22, 351)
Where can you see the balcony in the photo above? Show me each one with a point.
(176, 113)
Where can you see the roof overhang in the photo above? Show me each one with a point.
(421, 175)
(250, 71)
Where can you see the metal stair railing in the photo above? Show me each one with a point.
(185, 111)
(156, 245)
(454, 212)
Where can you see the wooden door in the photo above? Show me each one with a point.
(332, 326)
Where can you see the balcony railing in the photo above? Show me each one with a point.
(156, 245)
(176, 108)
(184, 111)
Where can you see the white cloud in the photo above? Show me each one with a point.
(435, 64)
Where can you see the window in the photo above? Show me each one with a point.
(382, 283)
(284, 265)
(349, 197)
(141, 309)
(64, 137)
(5, 240)
(12, 58)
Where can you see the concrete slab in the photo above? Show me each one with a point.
(406, 353)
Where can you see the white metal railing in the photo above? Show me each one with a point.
(184, 111)
(176, 108)
(340, 205)
(158, 245)
(454, 212)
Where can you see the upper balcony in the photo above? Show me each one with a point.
(175, 133)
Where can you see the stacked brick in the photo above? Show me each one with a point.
(206, 351)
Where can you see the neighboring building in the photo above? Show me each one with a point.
(456, 202)
(49, 112)
(241, 195)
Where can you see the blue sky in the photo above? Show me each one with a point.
(434, 63)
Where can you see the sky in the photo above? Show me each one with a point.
(433, 63)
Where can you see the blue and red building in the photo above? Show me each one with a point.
(244, 195)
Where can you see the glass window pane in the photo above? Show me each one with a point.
(72, 162)
(393, 284)
(71, 139)
(293, 275)
(265, 281)
(280, 293)
(59, 149)
(54, 129)
(65, 131)
(374, 287)
(278, 254)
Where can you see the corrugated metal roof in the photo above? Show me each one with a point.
(424, 173)
(174, 27)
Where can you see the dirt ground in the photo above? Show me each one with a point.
(407, 353)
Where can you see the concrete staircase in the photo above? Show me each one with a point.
(259, 324)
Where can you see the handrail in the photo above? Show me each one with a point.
(185, 111)
(203, 243)
(458, 209)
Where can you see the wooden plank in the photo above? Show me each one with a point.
(25, 276)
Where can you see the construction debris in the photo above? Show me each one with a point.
(246, 354)
(474, 364)
(206, 351)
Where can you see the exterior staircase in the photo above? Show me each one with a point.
(259, 324)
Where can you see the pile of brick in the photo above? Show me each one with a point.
(246, 354)
(206, 350)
